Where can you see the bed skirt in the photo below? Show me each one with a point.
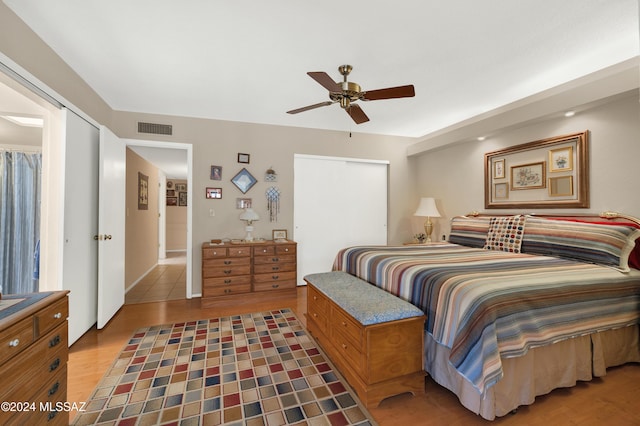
(540, 371)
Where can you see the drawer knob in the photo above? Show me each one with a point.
(344, 346)
(14, 343)
(227, 262)
(227, 281)
(344, 324)
(275, 277)
(275, 286)
(275, 268)
(315, 298)
(315, 315)
(57, 315)
(274, 259)
(227, 271)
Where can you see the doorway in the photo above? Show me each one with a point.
(169, 277)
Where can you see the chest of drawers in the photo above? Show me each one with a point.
(33, 358)
(244, 273)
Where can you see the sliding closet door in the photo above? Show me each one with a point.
(338, 202)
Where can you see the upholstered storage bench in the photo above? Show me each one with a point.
(374, 338)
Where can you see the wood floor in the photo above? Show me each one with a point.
(613, 399)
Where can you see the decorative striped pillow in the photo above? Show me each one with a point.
(469, 231)
(600, 244)
(505, 234)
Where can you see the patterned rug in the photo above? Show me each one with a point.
(253, 369)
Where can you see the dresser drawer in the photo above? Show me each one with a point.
(285, 249)
(227, 261)
(274, 277)
(226, 271)
(15, 339)
(227, 281)
(262, 260)
(347, 326)
(346, 347)
(54, 392)
(46, 358)
(225, 290)
(268, 268)
(274, 285)
(317, 308)
(208, 253)
(239, 251)
(52, 316)
(264, 250)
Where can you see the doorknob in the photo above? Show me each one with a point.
(101, 237)
(107, 237)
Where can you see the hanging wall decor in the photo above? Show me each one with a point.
(243, 180)
(271, 175)
(273, 203)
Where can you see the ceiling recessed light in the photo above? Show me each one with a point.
(24, 121)
(569, 113)
(481, 138)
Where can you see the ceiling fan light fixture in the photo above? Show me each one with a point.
(348, 92)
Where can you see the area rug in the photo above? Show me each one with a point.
(253, 369)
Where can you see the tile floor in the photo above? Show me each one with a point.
(167, 281)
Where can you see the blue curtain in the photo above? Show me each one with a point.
(20, 190)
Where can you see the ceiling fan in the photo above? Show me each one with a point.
(349, 92)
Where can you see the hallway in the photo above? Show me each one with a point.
(167, 281)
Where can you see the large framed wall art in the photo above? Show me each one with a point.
(549, 173)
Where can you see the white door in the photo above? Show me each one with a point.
(338, 202)
(111, 225)
(80, 250)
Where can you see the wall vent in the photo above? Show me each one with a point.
(154, 128)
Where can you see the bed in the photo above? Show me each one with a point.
(517, 305)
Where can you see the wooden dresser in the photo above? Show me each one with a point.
(247, 272)
(33, 358)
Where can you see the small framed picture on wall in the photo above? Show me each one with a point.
(214, 193)
(243, 158)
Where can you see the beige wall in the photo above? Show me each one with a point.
(219, 142)
(141, 241)
(455, 175)
(176, 224)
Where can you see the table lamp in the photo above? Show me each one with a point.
(427, 208)
(248, 215)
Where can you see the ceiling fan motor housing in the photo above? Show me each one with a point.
(350, 92)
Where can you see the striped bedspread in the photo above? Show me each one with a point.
(485, 304)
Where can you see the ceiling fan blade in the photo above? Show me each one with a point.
(357, 114)
(326, 81)
(389, 93)
(307, 108)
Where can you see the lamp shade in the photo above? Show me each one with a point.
(427, 208)
(249, 215)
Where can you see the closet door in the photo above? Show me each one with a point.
(338, 202)
(80, 252)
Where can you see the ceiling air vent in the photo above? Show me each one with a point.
(154, 128)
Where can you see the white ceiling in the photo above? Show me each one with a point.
(247, 60)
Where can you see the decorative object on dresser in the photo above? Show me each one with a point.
(243, 272)
(374, 338)
(33, 358)
(249, 216)
(428, 209)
